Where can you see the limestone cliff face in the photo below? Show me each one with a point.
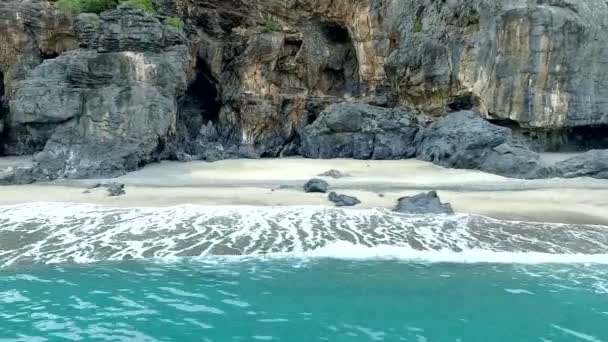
(103, 94)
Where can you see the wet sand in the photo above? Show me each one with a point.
(278, 182)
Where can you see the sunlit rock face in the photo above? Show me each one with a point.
(244, 78)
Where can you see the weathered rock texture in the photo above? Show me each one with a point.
(348, 130)
(463, 140)
(106, 107)
(591, 164)
(423, 203)
(103, 94)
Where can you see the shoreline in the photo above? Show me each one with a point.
(378, 184)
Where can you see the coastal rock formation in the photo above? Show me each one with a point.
(591, 164)
(343, 200)
(348, 130)
(423, 203)
(464, 140)
(109, 109)
(99, 95)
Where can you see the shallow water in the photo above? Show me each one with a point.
(305, 300)
(198, 273)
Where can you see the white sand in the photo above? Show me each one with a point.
(375, 183)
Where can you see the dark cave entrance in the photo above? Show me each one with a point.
(462, 102)
(198, 112)
(574, 139)
(202, 101)
(586, 138)
(340, 74)
(335, 33)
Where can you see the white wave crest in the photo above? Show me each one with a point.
(45, 233)
(346, 250)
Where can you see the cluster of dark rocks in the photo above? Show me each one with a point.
(320, 186)
(423, 203)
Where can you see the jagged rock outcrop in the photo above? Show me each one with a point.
(464, 140)
(423, 203)
(30, 32)
(110, 111)
(349, 130)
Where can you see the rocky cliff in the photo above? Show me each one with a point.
(98, 95)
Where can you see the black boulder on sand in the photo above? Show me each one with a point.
(343, 200)
(424, 203)
(316, 185)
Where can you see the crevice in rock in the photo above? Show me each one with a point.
(48, 55)
(572, 139)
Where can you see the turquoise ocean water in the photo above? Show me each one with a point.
(307, 274)
(297, 300)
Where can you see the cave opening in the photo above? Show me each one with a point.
(462, 102)
(198, 111)
(572, 139)
(585, 138)
(336, 33)
(202, 95)
(340, 74)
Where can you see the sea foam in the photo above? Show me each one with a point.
(48, 233)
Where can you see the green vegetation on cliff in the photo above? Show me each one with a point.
(76, 7)
(98, 6)
(269, 24)
(174, 21)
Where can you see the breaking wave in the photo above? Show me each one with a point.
(48, 233)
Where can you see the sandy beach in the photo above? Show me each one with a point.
(278, 182)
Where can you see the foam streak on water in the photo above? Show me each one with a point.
(42, 233)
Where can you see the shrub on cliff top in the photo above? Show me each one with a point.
(86, 6)
(144, 5)
(98, 6)
(174, 21)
